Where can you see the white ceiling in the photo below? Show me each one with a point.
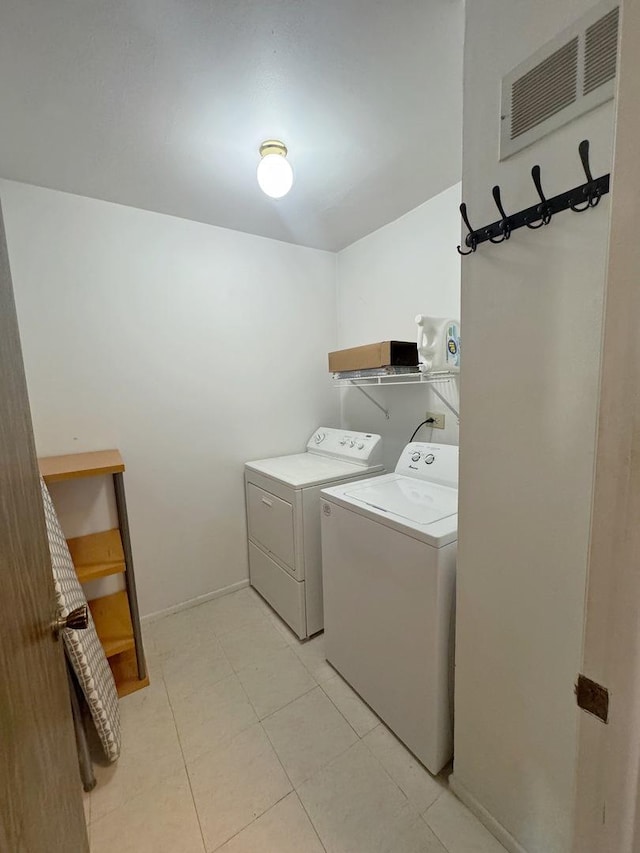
(162, 104)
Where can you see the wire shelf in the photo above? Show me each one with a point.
(410, 378)
(414, 378)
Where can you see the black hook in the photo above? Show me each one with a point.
(504, 225)
(583, 151)
(544, 209)
(470, 239)
(471, 250)
(465, 216)
(593, 197)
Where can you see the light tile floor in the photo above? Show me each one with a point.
(248, 741)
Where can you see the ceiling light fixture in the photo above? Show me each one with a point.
(275, 175)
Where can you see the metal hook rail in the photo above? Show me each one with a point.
(579, 199)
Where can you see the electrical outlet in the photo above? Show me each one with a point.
(438, 419)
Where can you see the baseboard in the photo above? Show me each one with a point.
(495, 828)
(194, 602)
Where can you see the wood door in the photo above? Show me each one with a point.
(40, 793)
(607, 815)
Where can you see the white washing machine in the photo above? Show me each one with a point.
(283, 519)
(389, 558)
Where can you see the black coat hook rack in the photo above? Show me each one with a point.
(579, 199)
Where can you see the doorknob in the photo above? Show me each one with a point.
(77, 620)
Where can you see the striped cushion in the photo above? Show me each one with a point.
(83, 647)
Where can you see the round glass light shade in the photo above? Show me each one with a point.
(275, 175)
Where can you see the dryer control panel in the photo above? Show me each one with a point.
(437, 463)
(363, 448)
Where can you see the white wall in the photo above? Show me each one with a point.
(531, 321)
(406, 268)
(191, 348)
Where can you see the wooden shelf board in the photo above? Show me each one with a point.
(113, 623)
(97, 555)
(100, 570)
(131, 685)
(55, 469)
(125, 673)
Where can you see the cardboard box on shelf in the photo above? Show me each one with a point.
(383, 354)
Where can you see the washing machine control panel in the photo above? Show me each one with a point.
(425, 461)
(362, 448)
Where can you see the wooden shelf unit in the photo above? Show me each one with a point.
(73, 466)
(125, 672)
(99, 555)
(113, 623)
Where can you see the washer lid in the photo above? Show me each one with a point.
(417, 501)
(309, 469)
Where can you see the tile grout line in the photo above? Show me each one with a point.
(184, 761)
(233, 669)
(264, 613)
(389, 776)
(328, 764)
(237, 672)
(260, 660)
(251, 822)
(362, 738)
(157, 780)
(333, 760)
(294, 790)
(219, 637)
(205, 604)
(447, 849)
(138, 793)
(318, 685)
(423, 817)
(435, 778)
(293, 787)
(419, 816)
(310, 819)
(302, 645)
(266, 734)
(430, 806)
(286, 705)
(359, 736)
(258, 722)
(161, 658)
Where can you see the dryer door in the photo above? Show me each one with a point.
(271, 525)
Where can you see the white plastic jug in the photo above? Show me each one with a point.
(438, 343)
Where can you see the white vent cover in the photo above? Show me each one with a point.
(569, 76)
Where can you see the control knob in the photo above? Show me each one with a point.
(360, 445)
(415, 457)
(429, 458)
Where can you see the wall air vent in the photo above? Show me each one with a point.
(601, 51)
(545, 90)
(566, 78)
